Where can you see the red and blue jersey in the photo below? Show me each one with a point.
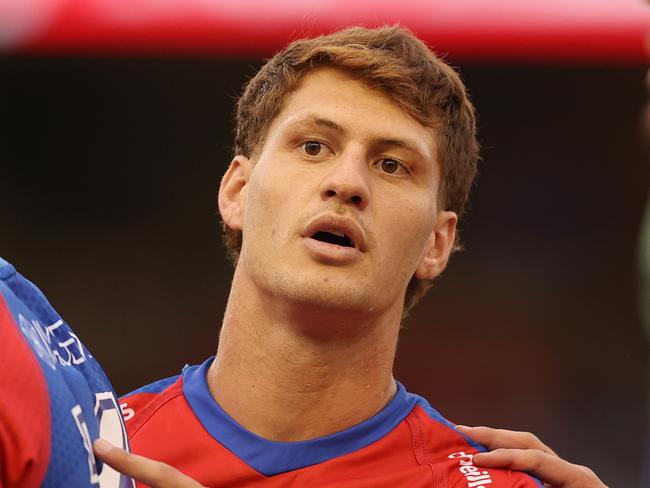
(55, 399)
(407, 444)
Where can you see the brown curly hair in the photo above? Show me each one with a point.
(390, 59)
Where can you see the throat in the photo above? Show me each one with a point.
(285, 385)
(297, 395)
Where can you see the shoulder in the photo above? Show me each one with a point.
(437, 442)
(160, 422)
(140, 405)
(53, 392)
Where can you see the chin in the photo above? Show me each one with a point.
(329, 294)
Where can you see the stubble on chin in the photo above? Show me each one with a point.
(311, 289)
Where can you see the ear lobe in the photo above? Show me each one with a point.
(439, 246)
(232, 192)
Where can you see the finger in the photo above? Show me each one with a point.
(502, 438)
(147, 471)
(547, 467)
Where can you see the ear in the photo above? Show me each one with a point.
(232, 192)
(439, 246)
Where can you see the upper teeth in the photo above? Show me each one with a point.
(337, 233)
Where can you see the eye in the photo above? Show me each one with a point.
(390, 166)
(312, 148)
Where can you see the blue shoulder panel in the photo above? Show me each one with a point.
(433, 413)
(155, 387)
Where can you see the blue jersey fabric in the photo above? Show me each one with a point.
(82, 402)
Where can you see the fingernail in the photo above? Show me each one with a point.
(462, 427)
(102, 447)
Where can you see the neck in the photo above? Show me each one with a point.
(280, 376)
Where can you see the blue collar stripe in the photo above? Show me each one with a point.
(270, 457)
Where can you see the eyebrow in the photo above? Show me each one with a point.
(383, 142)
(316, 120)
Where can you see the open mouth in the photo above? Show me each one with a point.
(333, 238)
(344, 235)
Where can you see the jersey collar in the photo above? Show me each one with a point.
(270, 457)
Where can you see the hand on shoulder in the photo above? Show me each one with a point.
(523, 451)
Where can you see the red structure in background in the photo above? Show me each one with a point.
(587, 31)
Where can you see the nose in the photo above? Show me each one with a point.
(347, 180)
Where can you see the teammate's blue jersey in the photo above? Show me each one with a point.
(55, 399)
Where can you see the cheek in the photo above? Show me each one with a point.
(408, 231)
(268, 206)
(260, 208)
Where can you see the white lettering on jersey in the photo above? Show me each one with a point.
(475, 478)
(72, 346)
(67, 351)
(73, 349)
(127, 413)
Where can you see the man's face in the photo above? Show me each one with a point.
(339, 208)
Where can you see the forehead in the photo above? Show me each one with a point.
(364, 112)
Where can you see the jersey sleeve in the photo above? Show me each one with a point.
(24, 410)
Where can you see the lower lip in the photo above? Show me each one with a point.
(330, 253)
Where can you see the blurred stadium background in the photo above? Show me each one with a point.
(115, 123)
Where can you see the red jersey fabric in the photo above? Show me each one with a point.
(407, 444)
(24, 410)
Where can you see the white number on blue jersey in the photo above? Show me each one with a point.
(111, 428)
(77, 414)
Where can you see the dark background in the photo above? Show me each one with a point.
(109, 169)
